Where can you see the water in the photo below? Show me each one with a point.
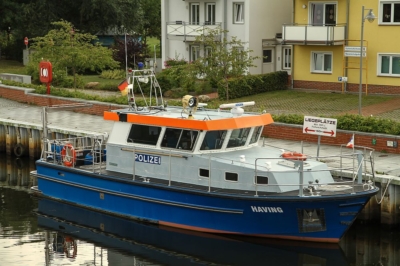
(44, 232)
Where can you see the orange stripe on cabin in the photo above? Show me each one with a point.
(218, 124)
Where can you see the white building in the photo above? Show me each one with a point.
(258, 23)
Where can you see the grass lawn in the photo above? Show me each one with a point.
(277, 102)
(13, 67)
(151, 42)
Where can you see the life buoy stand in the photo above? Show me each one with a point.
(294, 156)
(68, 155)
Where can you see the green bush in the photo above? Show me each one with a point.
(113, 74)
(171, 62)
(253, 84)
(351, 123)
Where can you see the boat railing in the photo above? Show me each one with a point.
(251, 170)
(87, 152)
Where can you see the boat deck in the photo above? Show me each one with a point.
(341, 186)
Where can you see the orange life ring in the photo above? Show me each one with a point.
(294, 156)
(68, 155)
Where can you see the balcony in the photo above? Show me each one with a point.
(314, 35)
(188, 32)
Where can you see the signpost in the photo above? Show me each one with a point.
(354, 51)
(319, 126)
(46, 73)
(26, 41)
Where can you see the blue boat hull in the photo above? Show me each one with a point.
(275, 216)
(169, 246)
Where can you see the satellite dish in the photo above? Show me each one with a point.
(189, 104)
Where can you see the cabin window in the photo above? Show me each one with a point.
(231, 176)
(256, 134)
(213, 140)
(204, 172)
(311, 220)
(261, 180)
(179, 139)
(144, 134)
(238, 137)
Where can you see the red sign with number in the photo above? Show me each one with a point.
(45, 72)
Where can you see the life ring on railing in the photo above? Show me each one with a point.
(294, 156)
(68, 155)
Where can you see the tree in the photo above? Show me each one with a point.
(225, 58)
(67, 48)
(136, 51)
(151, 18)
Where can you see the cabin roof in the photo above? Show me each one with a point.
(202, 119)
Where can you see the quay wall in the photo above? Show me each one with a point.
(379, 142)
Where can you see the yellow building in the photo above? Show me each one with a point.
(326, 45)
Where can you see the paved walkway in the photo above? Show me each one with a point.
(379, 108)
(13, 112)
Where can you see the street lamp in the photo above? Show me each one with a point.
(370, 17)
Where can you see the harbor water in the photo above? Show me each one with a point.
(38, 231)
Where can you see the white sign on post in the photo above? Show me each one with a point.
(320, 126)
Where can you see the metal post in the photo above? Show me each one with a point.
(360, 168)
(361, 61)
(319, 144)
(301, 179)
(126, 59)
(44, 120)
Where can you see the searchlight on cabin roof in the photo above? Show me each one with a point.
(237, 109)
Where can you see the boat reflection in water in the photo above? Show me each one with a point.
(128, 240)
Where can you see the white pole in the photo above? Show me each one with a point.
(126, 59)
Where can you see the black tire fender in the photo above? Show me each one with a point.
(19, 150)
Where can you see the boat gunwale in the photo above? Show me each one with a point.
(188, 188)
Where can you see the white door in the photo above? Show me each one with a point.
(268, 60)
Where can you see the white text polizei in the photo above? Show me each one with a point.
(145, 158)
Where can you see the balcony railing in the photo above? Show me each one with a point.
(188, 31)
(314, 35)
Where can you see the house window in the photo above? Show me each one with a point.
(389, 65)
(322, 14)
(267, 56)
(195, 13)
(287, 58)
(207, 51)
(238, 13)
(210, 13)
(231, 177)
(390, 12)
(194, 52)
(239, 53)
(321, 62)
